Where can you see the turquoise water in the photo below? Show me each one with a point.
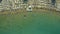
(32, 23)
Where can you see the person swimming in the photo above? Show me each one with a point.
(29, 8)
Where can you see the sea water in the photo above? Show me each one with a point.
(38, 24)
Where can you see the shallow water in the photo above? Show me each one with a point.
(32, 23)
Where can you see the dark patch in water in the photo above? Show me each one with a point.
(24, 15)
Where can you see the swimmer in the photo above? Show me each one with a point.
(29, 9)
